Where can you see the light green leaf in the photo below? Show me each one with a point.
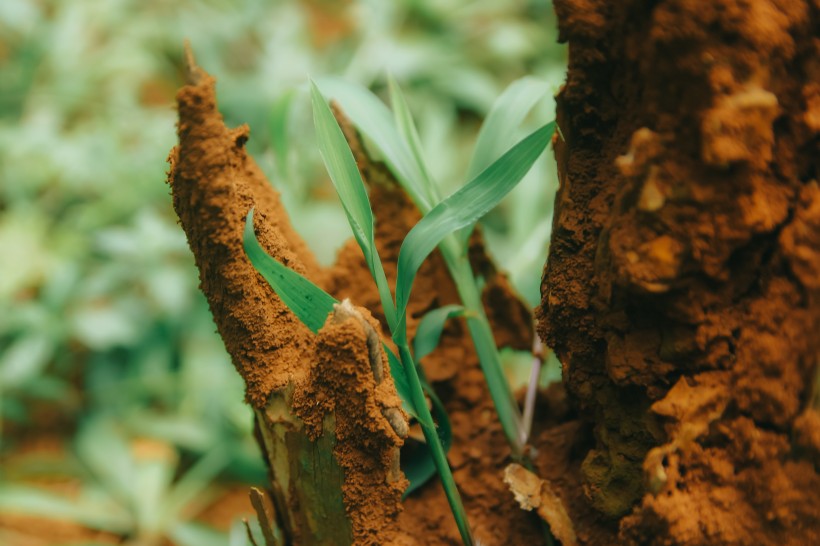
(348, 182)
(308, 302)
(25, 359)
(429, 330)
(92, 513)
(279, 131)
(462, 208)
(102, 447)
(196, 534)
(408, 132)
(188, 495)
(497, 133)
(152, 475)
(374, 120)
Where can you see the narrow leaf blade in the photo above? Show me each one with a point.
(419, 466)
(341, 166)
(374, 120)
(410, 136)
(464, 207)
(307, 301)
(506, 115)
(400, 380)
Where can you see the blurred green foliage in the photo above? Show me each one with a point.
(101, 320)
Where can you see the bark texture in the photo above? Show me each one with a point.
(681, 291)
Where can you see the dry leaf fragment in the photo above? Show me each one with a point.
(532, 492)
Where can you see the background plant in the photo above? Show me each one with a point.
(100, 315)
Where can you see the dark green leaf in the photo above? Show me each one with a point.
(418, 464)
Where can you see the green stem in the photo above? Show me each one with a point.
(482, 334)
(428, 427)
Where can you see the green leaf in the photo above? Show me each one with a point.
(189, 494)
(85, 510)
(103, 449)
(408, 132)
(196, 534)
(462, 208)
(374, 120)
(25, 359)
(308, 302)
(429, 330)
(348, 182)
(419, 465)
(497, 133)
(400, 380)
(279, 131)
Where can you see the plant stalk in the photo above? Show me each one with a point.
(482, 334)
(428, 427)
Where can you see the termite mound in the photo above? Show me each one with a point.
(316, 397)
(682, 289)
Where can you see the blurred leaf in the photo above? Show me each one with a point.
(155, 465)
(187, 492)
(25, 499)
(196, 534)
(410, 135)
(101, 447)
(279, 132)
(26, 358)
(498, 131)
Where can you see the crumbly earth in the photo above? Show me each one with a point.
(681, 292)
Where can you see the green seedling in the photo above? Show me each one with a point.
(460, 210)
(396, 140)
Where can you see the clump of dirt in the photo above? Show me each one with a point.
(214, 184)
(681, 291)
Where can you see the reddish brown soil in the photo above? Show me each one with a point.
(682, 288)
(214, 184)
